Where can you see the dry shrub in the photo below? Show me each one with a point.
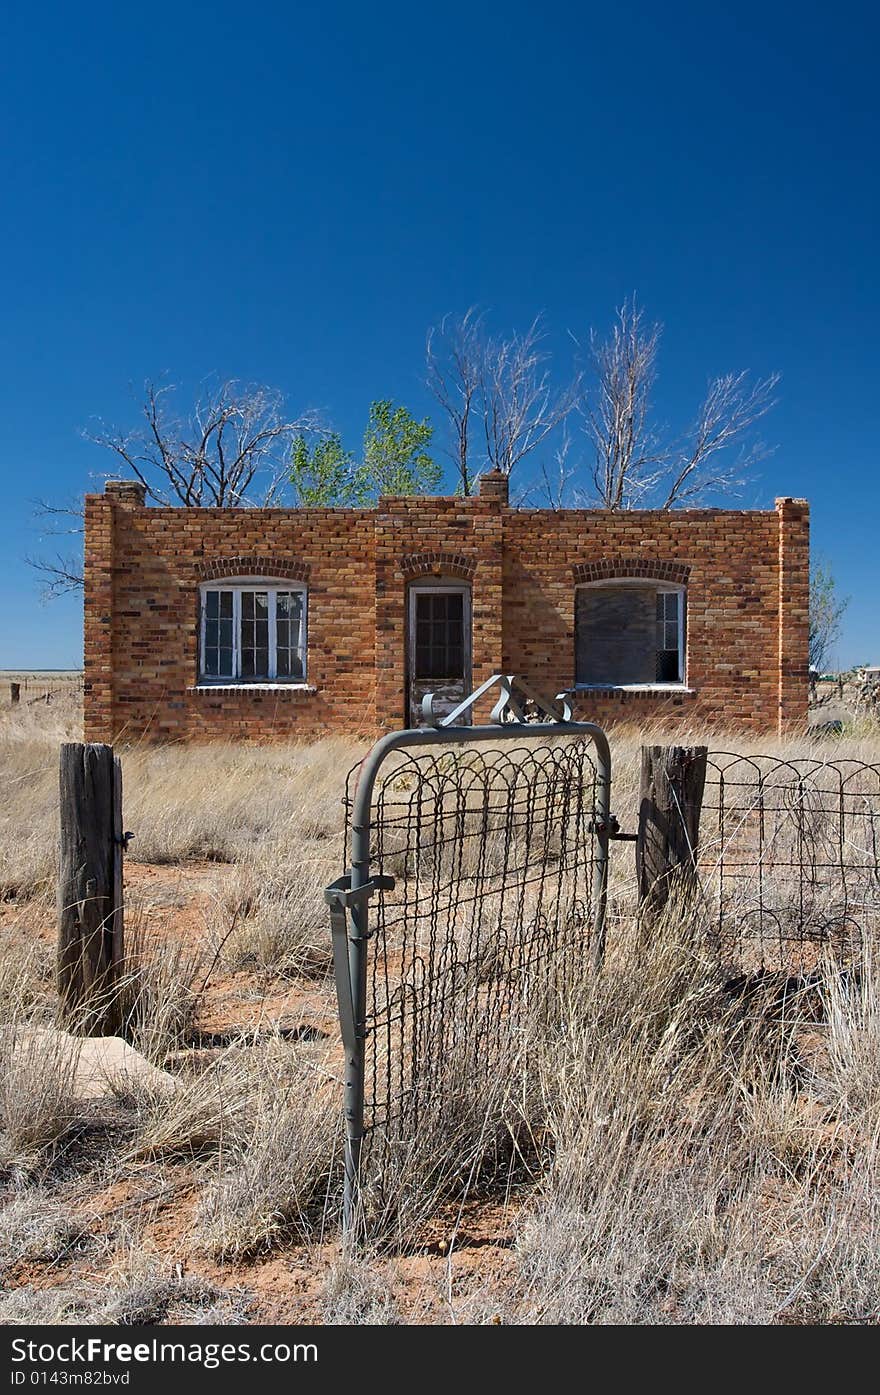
(37, 1067)
(222, 801)
(151, 1294)
(356, 1294)
(216, 801)
(632, 1097)
(852, 1009)
(158, 990)
(37, 1105)
(143, 1288)
(206, 1112)
(28, 823)
(691, 1180)
(152, 1000)
(271, 1186)
(139, 1288)
(270, 914)
(688, 1177)
(30, 734)
(27, 975)
(472, 1125)
(27, 1306)
(822, 1247)
(487, 1118)
(35, 1228)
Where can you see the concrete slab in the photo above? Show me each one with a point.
(102, 1065)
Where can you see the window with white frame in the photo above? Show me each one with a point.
(629, 634)
(252, 632)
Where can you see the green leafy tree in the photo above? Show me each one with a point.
(324, 474)
(395, 460)
(826, 613)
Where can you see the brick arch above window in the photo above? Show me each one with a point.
(279, 568)
(607, 568)
(417, 564)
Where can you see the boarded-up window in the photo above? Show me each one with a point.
(629, 632)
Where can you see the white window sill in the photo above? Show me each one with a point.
(231, 687)
(632, 688)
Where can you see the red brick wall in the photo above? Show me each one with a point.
(150, 649)
(416, 538)
(732, 563)
(747, 575)
(794, 611)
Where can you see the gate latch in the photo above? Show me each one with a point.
(339, 894)
(340, 897)
(611, 830)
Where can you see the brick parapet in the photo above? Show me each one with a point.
(494, 488)
(126, 494)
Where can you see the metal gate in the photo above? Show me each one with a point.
(478, 879)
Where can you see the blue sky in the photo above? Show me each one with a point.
(293, 193)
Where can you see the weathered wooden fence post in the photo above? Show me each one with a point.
(670, 802)
(14, 693)
(90, 928)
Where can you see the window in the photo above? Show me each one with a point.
(439, 621)
(629, 634)
(253, 632)
(668, 668)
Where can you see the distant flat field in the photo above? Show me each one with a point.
(34, 683)
(23, 674)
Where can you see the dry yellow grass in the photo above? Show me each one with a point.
(677, 1157)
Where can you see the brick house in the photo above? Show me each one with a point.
(228, 623)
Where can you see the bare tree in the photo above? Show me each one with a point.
(634, 465)
(520, 406)
(63, 572)
(504, 381)
(627, 454)
(732, 406)
(556, 482)
(454, 355)
(827, 608)
(233, 451)
(59, 575)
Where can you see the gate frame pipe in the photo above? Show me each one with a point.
(358, 933)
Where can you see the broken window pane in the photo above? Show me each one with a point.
(288, 627)
(252, 634)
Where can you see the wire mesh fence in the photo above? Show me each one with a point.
(494, 857)
(498, 860)
(789, 859)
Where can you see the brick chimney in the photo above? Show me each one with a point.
(128, 494)
(494, 487)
